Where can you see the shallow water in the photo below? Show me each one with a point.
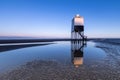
(60, 52)
(77, 60)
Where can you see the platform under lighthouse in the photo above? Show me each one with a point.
(77, 32)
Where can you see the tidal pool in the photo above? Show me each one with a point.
(61, 60)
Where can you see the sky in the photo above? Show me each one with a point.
(52, 18)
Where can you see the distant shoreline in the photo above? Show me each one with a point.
(5, 41)
(32, 40)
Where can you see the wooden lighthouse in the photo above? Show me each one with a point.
(77, 31)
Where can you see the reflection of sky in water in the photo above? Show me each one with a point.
(61, 52)
(93, 53)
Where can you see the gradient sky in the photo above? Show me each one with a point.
(52, 18)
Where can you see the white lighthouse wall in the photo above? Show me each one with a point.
(78, 21)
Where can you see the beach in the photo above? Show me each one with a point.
(105, 69)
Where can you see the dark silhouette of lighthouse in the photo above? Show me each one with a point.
(77, 32)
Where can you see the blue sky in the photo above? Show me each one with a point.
(52, 18)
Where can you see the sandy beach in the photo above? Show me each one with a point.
(50, 70)
(106, 69)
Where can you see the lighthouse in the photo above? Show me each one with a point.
(77, 31)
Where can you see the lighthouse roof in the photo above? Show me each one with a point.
(78, 16)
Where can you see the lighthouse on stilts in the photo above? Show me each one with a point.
(77, 32)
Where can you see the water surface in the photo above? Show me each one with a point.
(89, 60)
(59, 51)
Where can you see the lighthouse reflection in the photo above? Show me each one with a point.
(77, 52)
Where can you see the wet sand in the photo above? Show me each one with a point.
(19, 46)
(52, 70)
(106, 69)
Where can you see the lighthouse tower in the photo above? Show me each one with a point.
(77, 31)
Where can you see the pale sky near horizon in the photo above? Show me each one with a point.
(52, 18)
